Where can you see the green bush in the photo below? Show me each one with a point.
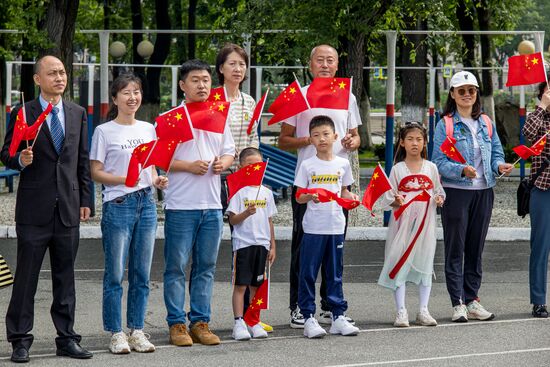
(380, 151)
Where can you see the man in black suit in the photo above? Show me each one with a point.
(52, 198)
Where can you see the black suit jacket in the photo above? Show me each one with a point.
(51, 178)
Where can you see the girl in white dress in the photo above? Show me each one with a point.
(411, 240)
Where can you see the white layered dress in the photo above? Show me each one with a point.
(417, 220)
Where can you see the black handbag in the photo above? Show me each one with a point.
(525, 187)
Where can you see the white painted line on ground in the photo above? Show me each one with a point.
(390, 329)
(284, 233)
(456, 356)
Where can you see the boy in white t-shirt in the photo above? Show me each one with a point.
(323, 223)
(253, 243)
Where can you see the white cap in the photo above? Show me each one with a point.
(463, 78)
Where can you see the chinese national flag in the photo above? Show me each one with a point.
(173, 125)
(217, 95)
(289, 103)
(448, 148)
(32, 130)
(423, 196)
(525, 69)
(250, 175)
(378, 185)
(258, 303)
(208, 116)
(19, 132)
(326, 196)
(156, 152)
(257, 115)
(330, 93)
(536, 149)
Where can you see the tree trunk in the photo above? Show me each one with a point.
(351, 65)
(180, 47)
(365, 128)
(484, 20)
(466, 23)
(27, 72)
(413, 81)
(191, 24)
(162, 48)
(137, 23)
(59, 23)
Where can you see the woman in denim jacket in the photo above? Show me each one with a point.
(469, 187)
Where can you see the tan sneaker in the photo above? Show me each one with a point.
(200, 333)
(179, 336)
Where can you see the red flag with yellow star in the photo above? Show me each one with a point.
(535, 149)
(217, 95)
(33, 129)
(173, 125)
(19, 130)
(289, 103)
(258, 303)
(330, 93)
(156, 152)
(208, 116)
(526, 69)
(326, 196)
(250, 175)
(378, 185)
(257, 115)
(448, 148)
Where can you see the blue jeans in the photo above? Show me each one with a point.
(540, 245)
(128, 226)
(195, 233)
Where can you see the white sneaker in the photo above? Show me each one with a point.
(325, 317)
(477, 312)
(343, 327)
(312, 329)
(258, 332)
(119, 343)
(296, 319)
(402, 318)
(460, 313)
(240, 331)
(425, 319)
(139, 342)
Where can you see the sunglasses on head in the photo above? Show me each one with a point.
(413, 124)
(462, 91)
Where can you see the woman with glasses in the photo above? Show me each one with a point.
(469, 186)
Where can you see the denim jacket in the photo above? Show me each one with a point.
(492, 154)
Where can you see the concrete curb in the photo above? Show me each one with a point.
(500, 234)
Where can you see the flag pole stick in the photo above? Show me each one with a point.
(300, 88)
(393, 191)
(24, 113)
(171, 160)
(261, 183)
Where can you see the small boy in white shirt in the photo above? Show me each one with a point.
(253, 240)
(323, 224)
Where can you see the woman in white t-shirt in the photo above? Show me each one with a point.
(129, 215)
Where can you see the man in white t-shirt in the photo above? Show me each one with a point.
(295, 136)
(193, 222)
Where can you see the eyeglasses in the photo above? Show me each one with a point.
(471, 91)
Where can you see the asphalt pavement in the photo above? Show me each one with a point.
(514, 338)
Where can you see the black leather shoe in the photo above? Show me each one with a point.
(73, 350)
(20, 355)
(540, 311)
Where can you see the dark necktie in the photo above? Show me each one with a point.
(57, 131)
